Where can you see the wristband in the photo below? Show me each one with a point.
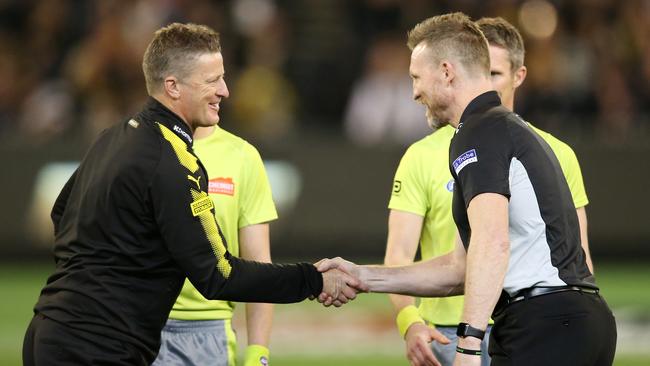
(471, 352)
(406, 317)
(256, 355)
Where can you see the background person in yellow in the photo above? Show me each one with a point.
(199, 331)
(420, 206)
(508, 73)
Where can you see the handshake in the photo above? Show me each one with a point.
(341, 281)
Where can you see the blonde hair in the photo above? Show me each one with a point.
(173, 50)
(453, 35)
(503, 34)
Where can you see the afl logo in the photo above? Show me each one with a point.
(450, 185)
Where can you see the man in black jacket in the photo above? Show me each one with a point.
(135, 219)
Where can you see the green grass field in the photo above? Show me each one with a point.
(307, 334)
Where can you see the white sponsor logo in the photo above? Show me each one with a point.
(183, 133)
(464, 159)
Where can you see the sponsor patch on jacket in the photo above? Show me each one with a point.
(181, 132)
(201, 205)
(464, 159)
(221, 186)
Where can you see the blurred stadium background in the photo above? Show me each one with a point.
(321, 88)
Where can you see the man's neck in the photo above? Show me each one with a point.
(203, 132)
(473, 89)
(169, 104)
(510, 105)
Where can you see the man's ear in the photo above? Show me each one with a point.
(448, 71)
(520, 76)
(172, 87)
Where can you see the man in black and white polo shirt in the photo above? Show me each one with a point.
(520, 259)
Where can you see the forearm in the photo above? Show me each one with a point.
(404, 229)
(399, 255)
(255, 245)
(406, 314)
(401, 301)
(438, 277)
(487, 263)
(584, 237)
(259, 318)
(262, 282)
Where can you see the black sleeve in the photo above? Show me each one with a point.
(185, 216)
(480, 160)
(62, 201)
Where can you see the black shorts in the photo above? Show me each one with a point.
(48, 342)
(565, 328)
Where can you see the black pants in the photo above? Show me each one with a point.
(566, 328)
(48, 342)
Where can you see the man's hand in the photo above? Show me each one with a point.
(338, 263)
(339, 288)
(418, 351)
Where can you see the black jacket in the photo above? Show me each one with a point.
(132, 222)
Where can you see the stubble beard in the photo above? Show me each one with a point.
(436, 118)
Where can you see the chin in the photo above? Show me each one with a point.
(436, 124)
(212, 120)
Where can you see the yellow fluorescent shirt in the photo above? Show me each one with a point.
(570, 166)
(240, 189)
(423, 185)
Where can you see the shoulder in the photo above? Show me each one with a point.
(141, 139)
(496, 118)
(488, 128)
(236, 142)
(227, 143)
(437, 141)
(427, 152)
(561, 148)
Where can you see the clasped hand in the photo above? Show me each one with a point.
(341, 281)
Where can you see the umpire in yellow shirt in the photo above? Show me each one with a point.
(199, 331)
(420, 207)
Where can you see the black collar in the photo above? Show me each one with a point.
(157, 112)
(482, 102)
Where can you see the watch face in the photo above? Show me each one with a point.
(465, 330)
(461, 331)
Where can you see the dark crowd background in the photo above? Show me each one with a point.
(323, 86)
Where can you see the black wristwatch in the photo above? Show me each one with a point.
(466, 330)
